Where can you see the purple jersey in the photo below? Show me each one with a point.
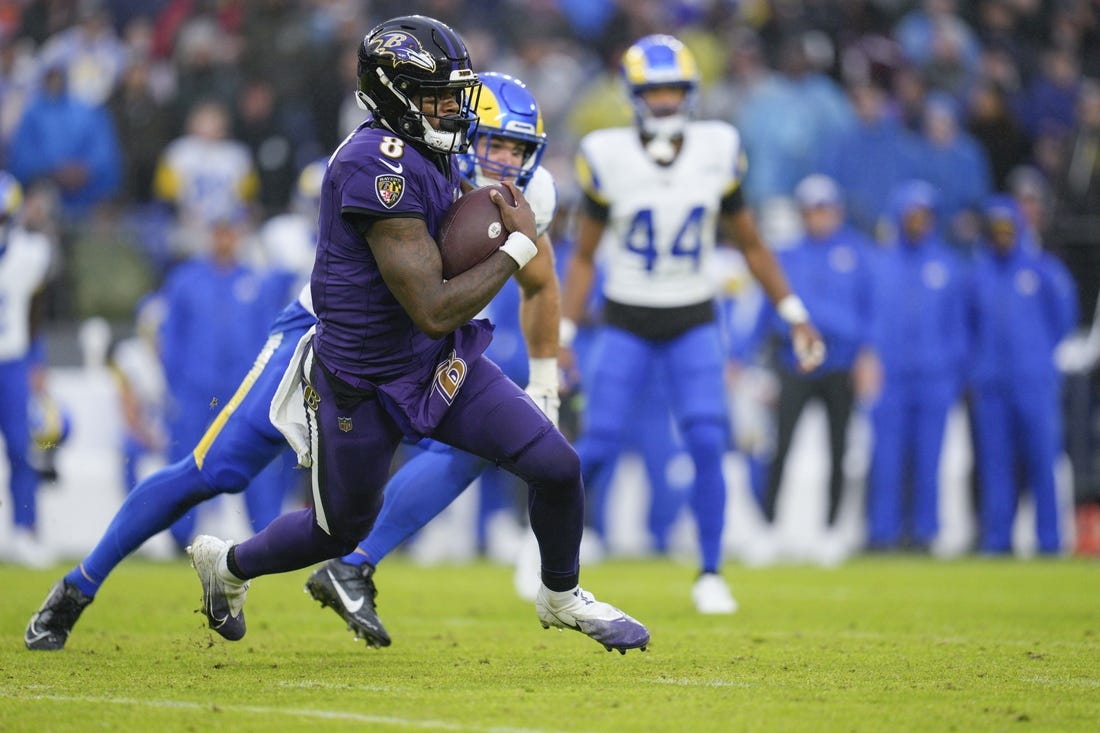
(364, 335)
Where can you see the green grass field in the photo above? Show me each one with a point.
(880, 644)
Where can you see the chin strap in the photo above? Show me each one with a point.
(439, 141)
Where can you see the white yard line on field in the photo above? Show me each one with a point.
(290, 712)
(687, 682)
(1062, 682)
(309, 684)
(894, 636)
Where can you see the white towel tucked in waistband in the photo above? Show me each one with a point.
(288, 408)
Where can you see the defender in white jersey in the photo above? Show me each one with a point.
(24, 263)
(654, 197)
(205, 174)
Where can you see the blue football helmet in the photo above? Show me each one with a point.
(11, 196)
(661, 61)
(508, 110)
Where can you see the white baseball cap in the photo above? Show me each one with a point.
(817, 190)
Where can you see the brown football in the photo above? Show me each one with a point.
(471, 230)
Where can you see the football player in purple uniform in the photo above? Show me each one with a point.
(507, 145)
(396, 354)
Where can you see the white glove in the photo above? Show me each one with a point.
(809, 349)
(542, 386)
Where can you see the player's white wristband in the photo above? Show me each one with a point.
(567, 331)
(543, 372)
(792, 310)
(520, 248)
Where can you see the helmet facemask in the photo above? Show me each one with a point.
(403, 113)
(485, 171)
(662, 127)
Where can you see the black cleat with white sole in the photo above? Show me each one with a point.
(349, 591)
(50, 627)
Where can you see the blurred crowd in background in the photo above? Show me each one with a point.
(151, 133)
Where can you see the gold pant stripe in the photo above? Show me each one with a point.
(211, 433)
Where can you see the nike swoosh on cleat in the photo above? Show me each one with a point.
(37, 635)
(216, 621)
(353, 605)
(564, 624)
(395, 168)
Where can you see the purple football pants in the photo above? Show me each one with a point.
(354, 443)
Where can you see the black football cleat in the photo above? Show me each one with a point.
(50, 627)
(349, 591)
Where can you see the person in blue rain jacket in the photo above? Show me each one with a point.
(957, 165)
(216, 314)
(919, 337)
(61, 139)
(871, 159)
(1022, 302)
(831, 266)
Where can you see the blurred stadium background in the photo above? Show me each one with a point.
(1017, 77)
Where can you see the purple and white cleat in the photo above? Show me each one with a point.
(578, 610)
(222, 593)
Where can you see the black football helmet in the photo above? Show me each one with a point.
(413, 56)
